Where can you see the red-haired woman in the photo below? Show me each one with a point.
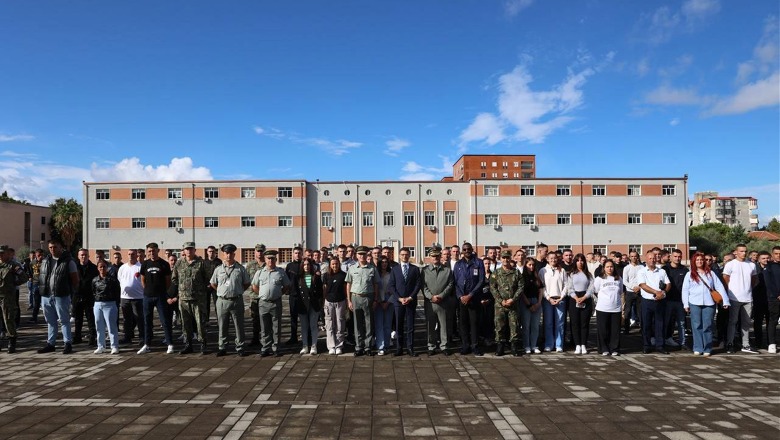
(698, 301)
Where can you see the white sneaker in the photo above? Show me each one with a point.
(380, 353)
(559, 350)
(393, 334)
(605, 353)
(170, 349)
(583, 349)
(537, 351)
(114, 351)
(338, 351)
(547, 349)
(671, 342)
(772, 348)
(527, 351)
(707, 354)
(633, 323)
(99, 350)
(578, 350)
(697, 353)
(313, 351)
(332, 351)
(304, 350)
(145, 349)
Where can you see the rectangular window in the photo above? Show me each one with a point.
(634, 190)
(634, 219)
(494, 175)
(138, 194)
(285, 255)
(326, 219)
(504, 165)
(528, 175)
(408, 218)
(491, 220)
(527, 165)
(449, 218)
(599, 190)
(563, 190)
(599, 219)
(346, 219)
(564, 219)
(102, 223)
(412, 253)
(516, 175)
(247, 192)
(516, 164)
(668, 247)
(483, 165)
(285, 221)
(482, 175)
(495, 164)
(138, 223)
(174, 222)
(505, 175)
(211, 222)
(389, 218)
(174, 193)
(429, 217)
(530, 251)
(211, 193)
(528, 219)
(102, 194)
(600, 248)
(368, 218)
(284, 192)
(670, 218)
(635, 248)
(563, 247)
(527, 190)
(43, 220)
(248, 222)
(491, 191)
(669, 190)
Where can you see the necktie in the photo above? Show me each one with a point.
(405, 270)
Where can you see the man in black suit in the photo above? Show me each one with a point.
(405, 283)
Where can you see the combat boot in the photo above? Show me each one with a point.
(12, 345)
(499, 348)
(515, 349)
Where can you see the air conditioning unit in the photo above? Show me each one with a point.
(432, 228)
(179, 229)
(497, 227)
(279, 199)
(330, 228)
(207, 200)
(177, 201)
(532, 227)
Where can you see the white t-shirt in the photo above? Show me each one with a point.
(609, 292)
(740, 274)
(129, 276)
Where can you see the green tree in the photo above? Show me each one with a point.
(717, 238)
(773, 226)
(67, 216)
(4, 197)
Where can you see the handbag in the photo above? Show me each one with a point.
(716, 296)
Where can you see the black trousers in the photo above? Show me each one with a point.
(632, 300)
(254, 313)
(81, 307)
(774, 313)
(468, 316)
(293, 301)
(760, 316)
(580, 320)
(608, 326)
(133, 316)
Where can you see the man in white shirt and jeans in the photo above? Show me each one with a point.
(740, 276)
(132, 296)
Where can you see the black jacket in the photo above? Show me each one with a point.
(311, 297)
(87, 273)
(105, 289)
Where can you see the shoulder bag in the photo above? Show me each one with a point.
(716, 296)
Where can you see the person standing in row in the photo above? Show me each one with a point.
(362, 295)
(190, 278)
(335, 287)
(469, 274)
(580, 303)
(270, 283)
(212, 263)
(156, 279)
(740, 276)
(531, 304)
(697, 300)
(310, 302)
(59, 279)
(405, 283)
(506, 286)
(608, 289)
(132, 297)
(11, 275)
(105, 294)
(83, 299)
(555, 281)
(252, 268)
(654, 283)
(383, 314)
(437, 287)
(230, 280)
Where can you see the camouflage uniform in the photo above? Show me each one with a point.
(11, 275)
(254, 311)
(506, 284)
(191, 281)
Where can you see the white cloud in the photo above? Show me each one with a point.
(694, 10)
(762, 93)
(513, 7)
(674, 122)
(643, 67)
(335, 147)
(681, 65)
(16, 137)
(525, 114)
(131, 169)
(663, 23)
(414, 171)
(766, 54)
(396, 145)
(666, 95)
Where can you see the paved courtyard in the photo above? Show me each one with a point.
(159, 396)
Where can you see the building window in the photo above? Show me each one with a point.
(599, 219)
(669, 190)
(516, 164)
(504, 165)
(138, 194)
(211, 222)
(286, 221)
(634, 219)
(284, 192)
(174, 193)
(346, 219)
(528, 175)
(211, 193)
(530, 251)
(285, 255)
(326, 219)
(494, 175)
(516, 175)
(412, 253)
(408, 218)
(668, 247)
(388, 192)
(564, 219)
(368, 218)
(449, 218)
(326, 193)
(563, 247)
(491, 220)
(482, 175)
(527, 190)
(102, 194)
(491, 190)
(43, 220)
(670, 218)
(599, 190)
(563, 190)
(247, 222)
(527, 165)
(635, 248)
(408, 192)
(429, 218)
(174, 222)
(483, 165)
(600, 248)
(247, 192)
(528, 219)
(634, 190)
(138, 223)
(102, 223)
(505, 175)
(389, 218)
(494, 164)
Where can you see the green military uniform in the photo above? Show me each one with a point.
(191, 279)
(252, 268)
(11, 275)
(271, 284)
(506, 283)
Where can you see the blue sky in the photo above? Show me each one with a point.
(363, 90)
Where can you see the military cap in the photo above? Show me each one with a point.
(362, 250)
(228, 248)
(270, 253)
(3, 248)
(188, 244)
(506, 254)
(260, 247)
(434, 252)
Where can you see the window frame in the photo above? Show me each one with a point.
(601, 217)
(326, 219)
(490, 191)
(138, 223)
(633, 190)
(248, 192)
(103, 223)
(599, 190)
(211, 192)
(449, 218)
(284, 192)
(367, 219)
(637, 218)
(669, 190)
(211, 222)
(138, 194)
(388, 219)
(176, 221)
(347, 219)
(248, 221)
(563, 190)
(563, 219)
(284, 221)
(409, 218)
(102, 194)
(172, 194)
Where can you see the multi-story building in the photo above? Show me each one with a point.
(708, 207)
(604, 214)
(24, 225)
(493, 167)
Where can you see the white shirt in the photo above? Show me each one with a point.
(740, 276)
(592, 266)
(579, 282)
(630, 274)
(555, 281)
(652, 277)
(129, 276)
(609, 292)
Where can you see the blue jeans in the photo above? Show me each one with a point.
(553, 323)
(675, 314)
(701, 325)
(653, 322)
(383, 320)
(310, 330)
(56, 308)
(106, 312)
(530, 322)
(150, 302)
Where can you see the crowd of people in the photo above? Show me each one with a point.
(362, 297)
